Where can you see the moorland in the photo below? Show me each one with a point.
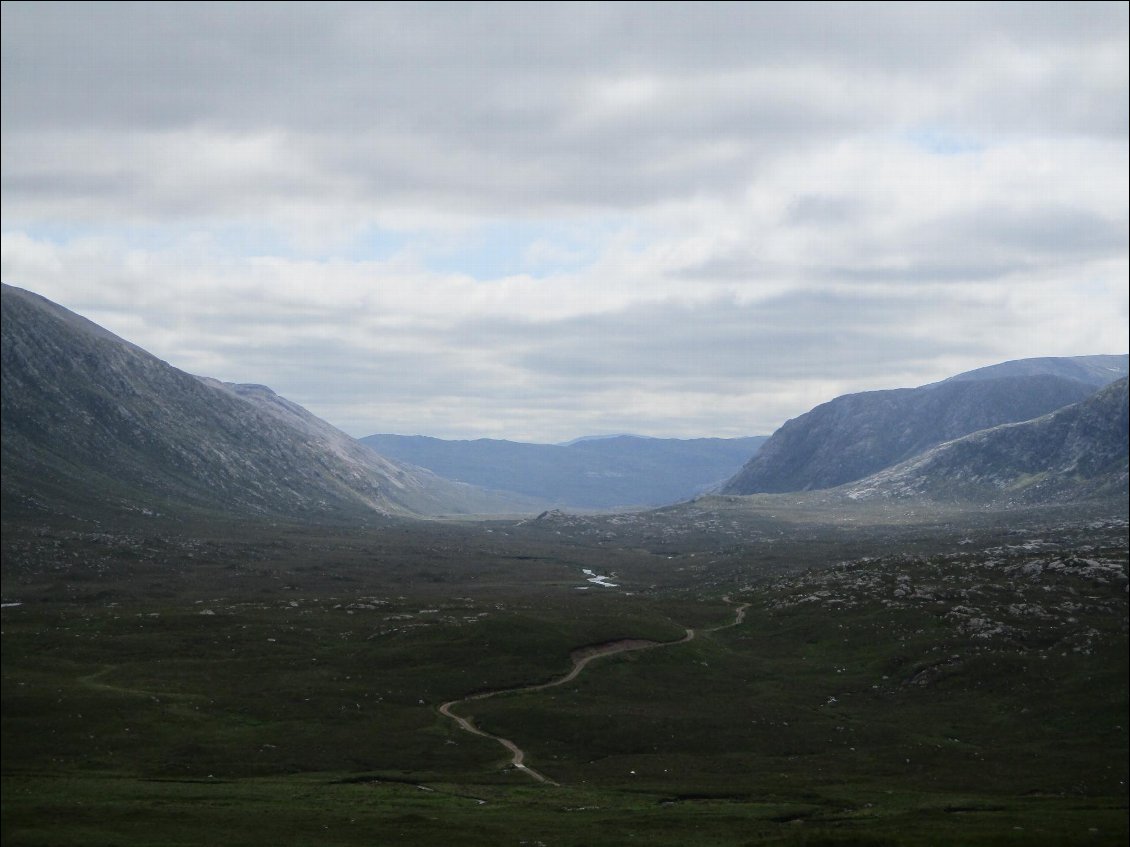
(903, 674)
(226, 621)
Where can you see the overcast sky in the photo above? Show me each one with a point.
(543, 221)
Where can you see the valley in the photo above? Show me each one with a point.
(564, 425)
(221, 614)
(901, 679)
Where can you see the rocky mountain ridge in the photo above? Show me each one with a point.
(857, 435)
(1093, 370)
(93, 421)
(1078, 452)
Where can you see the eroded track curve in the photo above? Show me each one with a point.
(581, 659)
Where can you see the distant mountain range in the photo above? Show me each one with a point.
(1078, 452)
(95, 424)
(595, 472)
(857, 435)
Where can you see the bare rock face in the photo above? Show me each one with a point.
(857, 435)
(90, 419)
(1078, 452)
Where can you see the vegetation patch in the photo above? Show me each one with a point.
(283, 687)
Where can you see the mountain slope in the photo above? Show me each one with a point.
(1093, 370)
(856, 435)
(594, 473)
(90, 419)
(1075, 453)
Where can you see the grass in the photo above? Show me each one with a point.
(318, 809)
(280, 687)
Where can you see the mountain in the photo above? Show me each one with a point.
(1078, 452)
(588, 473)
(856, 435)
(574, 441)
(93, 422)
(1092, 370)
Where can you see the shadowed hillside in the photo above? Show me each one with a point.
(856, 435)
(1076, 453)
(93, 422)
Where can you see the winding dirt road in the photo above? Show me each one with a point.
(581, 659)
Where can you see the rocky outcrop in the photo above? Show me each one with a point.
(1077, 453)
(856, 435)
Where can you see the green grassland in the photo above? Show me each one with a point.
(894, 681)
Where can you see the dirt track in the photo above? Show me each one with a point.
(581, 659)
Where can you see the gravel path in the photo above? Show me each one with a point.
(581, 659)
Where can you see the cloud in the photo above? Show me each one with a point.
(475, 220)
(174, 111)
(388, 346)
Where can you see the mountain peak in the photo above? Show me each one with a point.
(1077, 452)
(856, 435)
(1095, 370)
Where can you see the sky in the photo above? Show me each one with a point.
(541, 221)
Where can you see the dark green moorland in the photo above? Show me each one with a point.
(912, 677)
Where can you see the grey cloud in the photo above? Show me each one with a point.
(1054, 230)
(72, 62)
(989, 243)
(717, 345)
(197, 115)
(715, 352)
(496, 93)
(822, 209)
(956, 269)
(568, 371)
(948, 261)
(979, 244)
(57, 183)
